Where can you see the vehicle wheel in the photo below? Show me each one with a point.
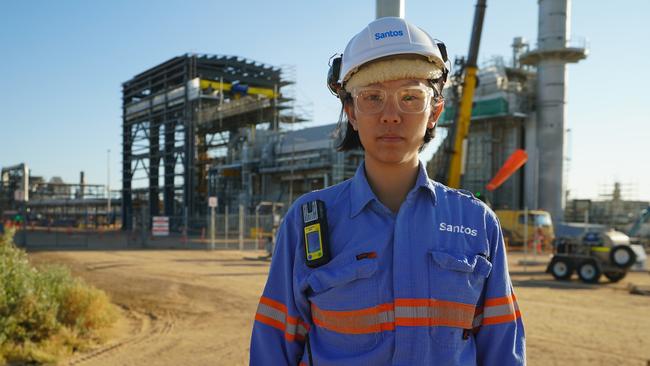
(622, 256)
(561, 269)
(589, 272)
(615, 276)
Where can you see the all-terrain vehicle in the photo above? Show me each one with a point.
(595, 254)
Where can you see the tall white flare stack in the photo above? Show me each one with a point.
(555, 50)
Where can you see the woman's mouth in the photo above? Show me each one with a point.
(390, 138)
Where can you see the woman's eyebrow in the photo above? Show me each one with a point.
(408, 83)
(412, 82)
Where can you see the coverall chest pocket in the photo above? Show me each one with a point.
(344, 305)
(456, 282)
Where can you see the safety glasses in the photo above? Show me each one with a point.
(410, 99)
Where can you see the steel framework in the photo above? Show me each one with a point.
(178, 118)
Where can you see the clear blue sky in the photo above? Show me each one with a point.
(63, 62)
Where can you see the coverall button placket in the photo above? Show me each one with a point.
(402, 277)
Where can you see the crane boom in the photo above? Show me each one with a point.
(461, 127)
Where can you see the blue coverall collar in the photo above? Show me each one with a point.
(361, 193)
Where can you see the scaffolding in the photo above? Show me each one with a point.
(180, 117)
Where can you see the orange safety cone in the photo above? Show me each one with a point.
(514, 162)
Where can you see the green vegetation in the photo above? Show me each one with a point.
(45, 313)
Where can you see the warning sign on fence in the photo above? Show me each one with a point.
(160, 226)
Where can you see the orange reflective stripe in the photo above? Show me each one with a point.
(280, 306)
(280, 326)
(433, 302)
(433, 312)
(403, 312)
(274, 304)
(502, 319)
(499, 301)
(500, 310)
(270, 321)
(384, 317)
(412, 302)
(352, 313)
(274, 314)
(368, 320)
(431, 322)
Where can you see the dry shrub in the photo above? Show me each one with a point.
(86, 309)
(46, 314)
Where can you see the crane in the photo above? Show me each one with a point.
(450, 173)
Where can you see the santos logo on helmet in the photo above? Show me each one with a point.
(379, 36)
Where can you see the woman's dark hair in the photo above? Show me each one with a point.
(351, 140)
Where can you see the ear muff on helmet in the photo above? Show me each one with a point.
(333, 75)
(443, 52)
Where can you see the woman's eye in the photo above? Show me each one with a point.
(373, 97)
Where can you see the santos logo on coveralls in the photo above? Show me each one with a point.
(457, 229)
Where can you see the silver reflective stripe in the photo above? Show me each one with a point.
(413, 312)
(386, 317)
(492, 311)
(439, 315)
(272, 313)
(477, 321)
(301, 330)
(291, 328)
(280, 316)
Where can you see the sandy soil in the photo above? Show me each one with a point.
(197, 308)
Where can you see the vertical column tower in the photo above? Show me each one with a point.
(555, 50)
(389, 8)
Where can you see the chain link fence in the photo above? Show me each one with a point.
(236, 231)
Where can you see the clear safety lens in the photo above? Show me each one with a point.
(410, 99)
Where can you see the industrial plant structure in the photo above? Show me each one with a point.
(503, 102)
(522, 105)
(54, 203)
(200, 126)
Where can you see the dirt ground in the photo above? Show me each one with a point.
(197, 308)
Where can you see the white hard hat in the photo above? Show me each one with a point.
(387, 37)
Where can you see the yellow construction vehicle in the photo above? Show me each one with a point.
(519, 229)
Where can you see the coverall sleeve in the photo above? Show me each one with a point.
(279, 330)
(500, 339)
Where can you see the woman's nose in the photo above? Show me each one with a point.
(390, 113)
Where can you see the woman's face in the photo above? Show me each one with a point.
(392, 134)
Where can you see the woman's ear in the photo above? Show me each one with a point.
(436, 111)
(349, 111)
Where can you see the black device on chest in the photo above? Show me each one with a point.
(316, 233)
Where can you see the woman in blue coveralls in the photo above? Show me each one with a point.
(413, 272)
